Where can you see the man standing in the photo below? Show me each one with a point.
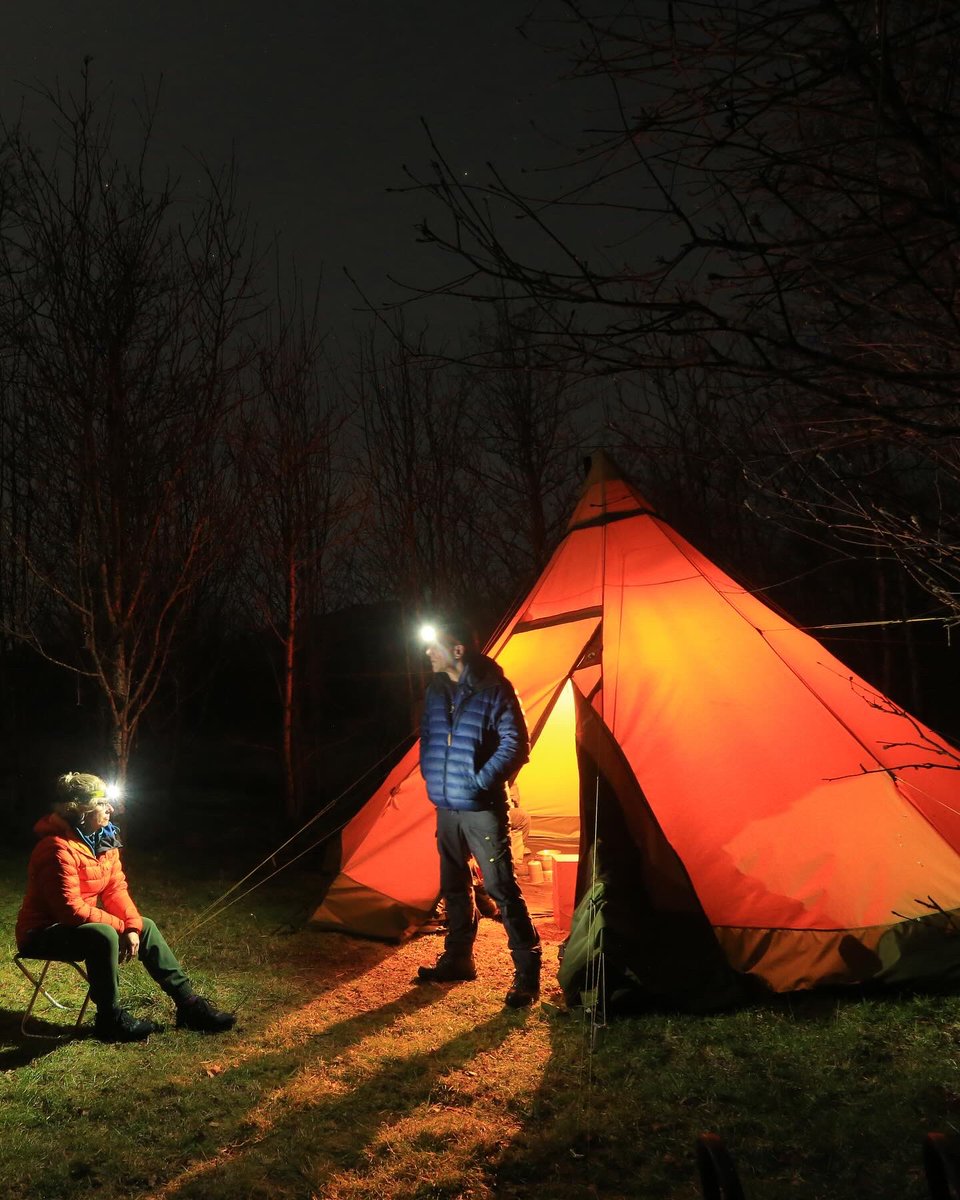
(473, 738)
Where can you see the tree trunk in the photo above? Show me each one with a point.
(290, 773)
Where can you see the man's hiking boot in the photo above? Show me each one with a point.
(117, 1025)
(449, 969)
(524, 990)
(199, 1015)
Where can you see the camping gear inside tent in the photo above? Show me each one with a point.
(745, 807)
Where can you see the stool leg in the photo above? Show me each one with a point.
(38, 983)
(33, 999)
(39, 989)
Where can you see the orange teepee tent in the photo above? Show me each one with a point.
(720, 770)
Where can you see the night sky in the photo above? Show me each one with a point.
(321, 103)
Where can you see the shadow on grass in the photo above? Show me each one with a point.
(555, 1152)
(338, 1127)
(829, 1091)
(825, 1005)
(18, 1050)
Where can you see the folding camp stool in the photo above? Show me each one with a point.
(39, 989)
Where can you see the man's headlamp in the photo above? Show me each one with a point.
(428, 634)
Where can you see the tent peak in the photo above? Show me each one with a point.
(606, 493)
(598, 466)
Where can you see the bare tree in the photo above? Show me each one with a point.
(414, 433)
(527, 426)
(297, 509)
(120, 306)
(779, 183)
(416, 544)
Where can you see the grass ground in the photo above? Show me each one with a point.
(345, 1080)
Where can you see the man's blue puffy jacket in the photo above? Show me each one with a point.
(472, 737)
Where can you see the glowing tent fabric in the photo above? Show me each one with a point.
(812, 824)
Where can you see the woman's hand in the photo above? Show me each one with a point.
(129, 945)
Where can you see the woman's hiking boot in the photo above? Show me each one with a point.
(117, 1025)
(198, 1014)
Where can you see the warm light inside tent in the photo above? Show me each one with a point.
(549, 784)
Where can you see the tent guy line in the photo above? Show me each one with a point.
(216, 907)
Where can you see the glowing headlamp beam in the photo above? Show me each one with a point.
(428, 634)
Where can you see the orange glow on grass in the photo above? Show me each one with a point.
(379, 1034)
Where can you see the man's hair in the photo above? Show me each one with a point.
(461, 631)
(77, 792)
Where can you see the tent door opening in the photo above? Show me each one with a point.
(548, 790)
(548, 786)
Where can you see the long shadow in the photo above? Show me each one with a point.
(782, 1116)
(353, 960)
(19, 1050)
(334, 1040)
(822, 1005)
(255, 1074)
(339, 1128)
(534, 1160)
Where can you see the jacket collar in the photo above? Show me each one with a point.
(480, 672)
(53, 825)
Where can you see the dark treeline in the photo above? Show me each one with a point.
(219, 530)
(774, 293)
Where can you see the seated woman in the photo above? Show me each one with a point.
(78, 907)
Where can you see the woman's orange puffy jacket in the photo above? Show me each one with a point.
(65, 882)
